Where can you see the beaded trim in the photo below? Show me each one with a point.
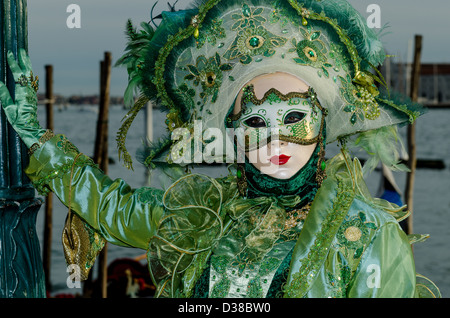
(31, 80)
(302, 280)
(41, 184)
(44, 138)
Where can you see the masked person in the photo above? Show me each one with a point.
(265, 85)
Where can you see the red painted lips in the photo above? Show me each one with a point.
(280, 160)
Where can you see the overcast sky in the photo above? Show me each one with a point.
(76, 53)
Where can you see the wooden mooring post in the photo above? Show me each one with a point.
(48, 221)
(101, 154)
(411, 135)
(101, 158)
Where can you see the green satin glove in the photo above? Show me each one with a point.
(22, 113)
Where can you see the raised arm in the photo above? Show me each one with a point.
(120, 214)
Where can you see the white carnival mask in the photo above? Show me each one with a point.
(279, 132)
(295, 117)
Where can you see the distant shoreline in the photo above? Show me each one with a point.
(80, 100)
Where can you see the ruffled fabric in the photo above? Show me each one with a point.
(191, 223)
(199, 220)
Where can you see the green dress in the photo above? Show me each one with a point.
(203, 239)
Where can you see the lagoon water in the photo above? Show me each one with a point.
(431, 192)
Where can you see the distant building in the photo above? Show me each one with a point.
(434, 87)
(435, 84)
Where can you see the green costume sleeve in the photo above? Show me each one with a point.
(21, 110)
(123, 216)
(387, 267)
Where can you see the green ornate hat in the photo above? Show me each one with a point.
(196, 61)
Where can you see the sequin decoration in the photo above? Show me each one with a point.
(339, 280)
(248, 17)
(301, 280)
(211, 33)
(65, 145)
(229, 279)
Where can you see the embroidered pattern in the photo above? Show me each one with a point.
(41, 184)
(311, 52)
(251, 42)
(249, 17)
(42, 140)
(209, 74)
(97, 242)
(302, 280)
(229, 278)
(353, 235)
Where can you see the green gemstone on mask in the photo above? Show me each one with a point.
(246, 11)
(239, 174)
(254, 41)
(323, 165)
(312, 53)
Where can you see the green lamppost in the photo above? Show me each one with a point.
(21, 271)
